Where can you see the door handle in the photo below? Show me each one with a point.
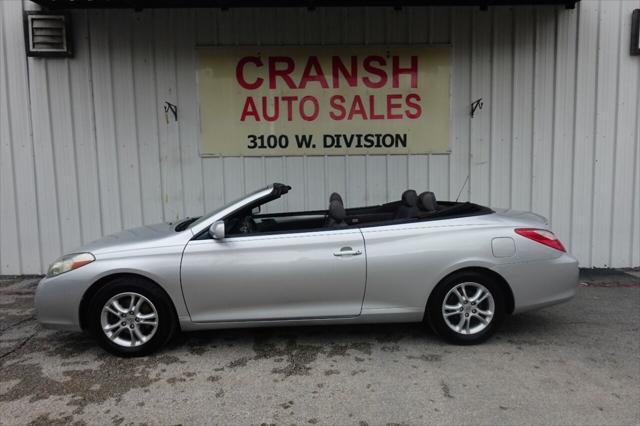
(347, 251)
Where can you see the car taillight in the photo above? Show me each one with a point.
(542, 236)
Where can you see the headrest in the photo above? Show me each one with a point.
(336, 211)
(409, 198)
(335, 197)
(427, 201)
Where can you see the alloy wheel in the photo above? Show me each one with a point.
(129, 319)
(468, 308)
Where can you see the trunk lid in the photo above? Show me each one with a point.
(522, 219)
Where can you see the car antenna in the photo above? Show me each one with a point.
(463, 185)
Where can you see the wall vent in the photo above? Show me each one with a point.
(47, 34)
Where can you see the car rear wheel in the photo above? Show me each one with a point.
(466, 308)
(131, 317)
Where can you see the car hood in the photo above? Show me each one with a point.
(132, 239)
(522, 218)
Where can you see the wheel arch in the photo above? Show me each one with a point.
(93, 289)
(499, 279)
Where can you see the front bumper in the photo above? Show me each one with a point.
(57, 302)
(541, 283)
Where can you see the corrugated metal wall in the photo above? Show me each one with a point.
(86, 149)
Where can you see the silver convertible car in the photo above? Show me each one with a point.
(459, 267)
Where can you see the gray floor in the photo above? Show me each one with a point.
(577, 363)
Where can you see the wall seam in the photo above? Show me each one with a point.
(492, 88)
(75, 153)
(11, 151)
(513, 100)
(177, 123)
(553, 112)
(155, 94)
(53, 159)
(114, 121)
(3, 100)
(42, 262)
(615, 137)
(533, 108)
(595, 132)
(469, 179)
(575, 127)
(636, 176)
(135, 118)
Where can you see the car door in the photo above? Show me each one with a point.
(316, 274)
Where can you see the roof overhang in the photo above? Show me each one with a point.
(227, 4)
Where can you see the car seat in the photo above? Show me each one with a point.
(408, 208)
(427, 202)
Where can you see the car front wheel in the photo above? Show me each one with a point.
(131, 317)
(466, 308)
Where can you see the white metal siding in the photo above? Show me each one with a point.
(86, 149)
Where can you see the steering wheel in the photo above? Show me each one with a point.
(247, 225)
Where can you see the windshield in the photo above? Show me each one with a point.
(218, 210)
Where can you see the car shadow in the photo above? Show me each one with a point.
(517, 329)
(535, 324)
(320, 334)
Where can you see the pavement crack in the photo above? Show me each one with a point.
(18, 346)
(27, 292)
(17, 323)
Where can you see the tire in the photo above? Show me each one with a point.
(131, 334)
(463, 325)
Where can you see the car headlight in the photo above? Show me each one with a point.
(69, 262)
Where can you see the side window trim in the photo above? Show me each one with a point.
(284, 234)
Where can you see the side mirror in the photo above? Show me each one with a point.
(216, 230)
(255, 210)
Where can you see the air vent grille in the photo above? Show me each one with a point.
(47, 34)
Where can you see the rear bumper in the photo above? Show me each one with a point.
(541, 283)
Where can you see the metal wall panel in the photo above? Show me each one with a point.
(19, 237)
(86, 148)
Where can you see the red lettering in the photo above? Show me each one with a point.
(371, 69)
(413, 100)
(337, 66)
(240, 72)
(289, 101)
(316, 108)
(337, 103)
(249, 110)
(276, 109)
(344, 71)
(391, 106)
(357, 107)
(274, 72)
(372, 109)
(412, 71)
(313, 66)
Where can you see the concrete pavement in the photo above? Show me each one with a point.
(577, 363)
